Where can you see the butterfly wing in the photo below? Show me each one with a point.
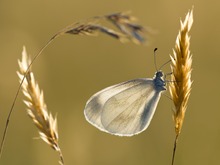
(94, 105)
(124, 109)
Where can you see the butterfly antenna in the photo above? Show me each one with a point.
(165, 64)
(155, 64)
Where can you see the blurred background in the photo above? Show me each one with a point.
(73, 68)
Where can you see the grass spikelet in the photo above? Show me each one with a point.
(181, 63)
(36, 106)
(124, 23)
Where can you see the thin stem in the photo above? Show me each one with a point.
(61, 158)
(174, 148)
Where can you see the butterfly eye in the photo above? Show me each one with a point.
(159, 74)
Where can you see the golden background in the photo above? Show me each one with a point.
(73, 68)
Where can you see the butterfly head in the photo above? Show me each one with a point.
(159, 82)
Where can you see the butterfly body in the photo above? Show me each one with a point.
(127, 108)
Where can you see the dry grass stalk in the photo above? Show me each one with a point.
(36, 106)
(128, 30)
(180, 88)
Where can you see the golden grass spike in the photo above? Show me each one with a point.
(36, 106)
(181, 65)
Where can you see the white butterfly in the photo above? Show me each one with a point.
(125, 109)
